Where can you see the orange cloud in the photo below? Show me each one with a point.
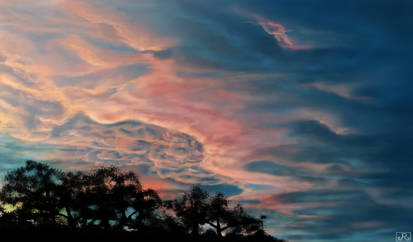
(133, 34)
(206, 108)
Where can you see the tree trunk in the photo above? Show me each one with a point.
(219, 230)
(123, 220)
(70, 219)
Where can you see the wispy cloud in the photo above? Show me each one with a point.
(277, 30)
(240, 101)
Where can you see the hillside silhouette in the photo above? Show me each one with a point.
(107, 204)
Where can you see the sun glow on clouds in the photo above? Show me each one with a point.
(48, 80)
(87, 83)
(53, 70)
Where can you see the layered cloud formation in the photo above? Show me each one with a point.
(301, 110)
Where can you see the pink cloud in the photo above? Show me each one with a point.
(207, 108)
(135, 35)
(277, 30)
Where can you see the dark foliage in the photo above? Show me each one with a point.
(108, 204)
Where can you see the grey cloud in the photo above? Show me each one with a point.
(172, 154)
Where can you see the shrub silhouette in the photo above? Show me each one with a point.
(112, 204)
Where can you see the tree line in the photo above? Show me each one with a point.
(110, 201)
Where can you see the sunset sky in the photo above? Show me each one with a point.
(301, 110)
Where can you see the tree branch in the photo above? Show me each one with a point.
(130, 215)
(213, 225)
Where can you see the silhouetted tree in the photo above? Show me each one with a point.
(6, 218)
(33, 190)
(239, 222)
(221, 217)
(144, 205)
(3, 221)
(195, 208)
(71, 196)
(105, 198)
(107, 201)
(116, 200)
(191, 209)
(218, 214)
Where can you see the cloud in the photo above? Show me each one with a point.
(275, 29)
(372, 220)
(302, 108)
(31, 109)
(169, 154)
(135, 35)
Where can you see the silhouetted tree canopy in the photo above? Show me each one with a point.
(191, 208)
(221, 217)
(34, 190)
(107, 200)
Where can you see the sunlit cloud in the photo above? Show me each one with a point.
(135, 35)
(277, 30)
(234, 100)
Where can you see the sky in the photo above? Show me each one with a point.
(299, 109)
